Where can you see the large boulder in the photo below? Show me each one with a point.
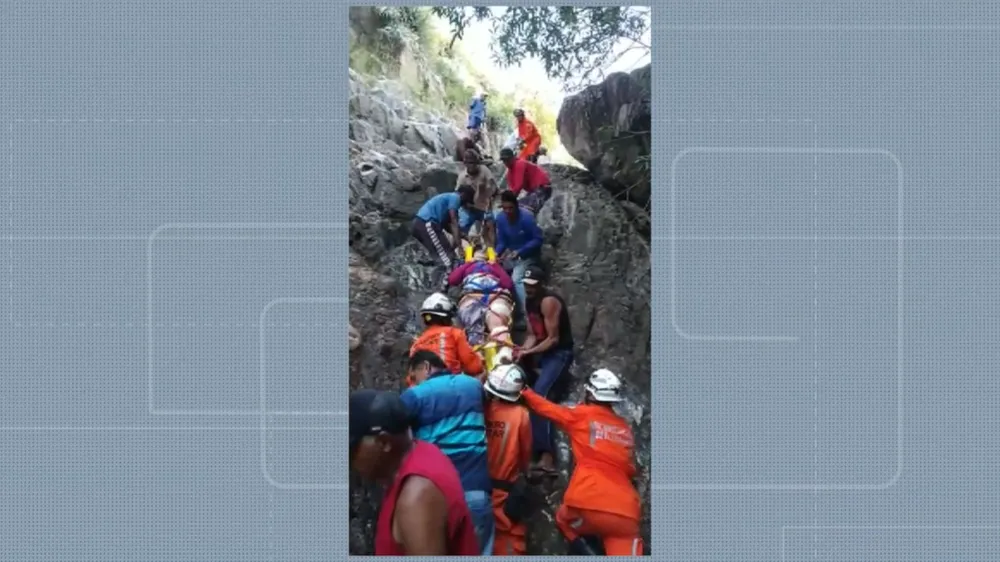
(607, 127)
(598, 259)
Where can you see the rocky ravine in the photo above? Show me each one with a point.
(400, 156)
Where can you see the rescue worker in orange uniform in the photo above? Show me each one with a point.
(444, 339)
(529, 135)
(508, 444)
(601, 499)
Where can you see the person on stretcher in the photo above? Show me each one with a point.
(486, 302)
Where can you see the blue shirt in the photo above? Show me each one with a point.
(523, 235)
(468, 217)
(477, 109)
(448, 410)
(436, 209)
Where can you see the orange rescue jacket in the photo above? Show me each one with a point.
(450, 344)
(529, 134)
(508, 440)
(603, 451)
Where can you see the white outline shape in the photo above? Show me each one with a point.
(151, 407)
(899, 319)
(263, 394)
(881, 528)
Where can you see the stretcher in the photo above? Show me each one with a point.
(491, 337)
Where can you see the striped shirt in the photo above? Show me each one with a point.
(448, 411)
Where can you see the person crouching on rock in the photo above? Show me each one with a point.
(447, 410)
(601, 499)
(528, 177)
(549, 349)
(470, 141)
(476, 175)
(423, 511)
(486, 296)
(444, 339)
(508, 443)
(436, 214)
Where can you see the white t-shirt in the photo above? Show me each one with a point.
(512, 142)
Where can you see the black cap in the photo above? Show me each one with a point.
(534, 275)
(374, 411)
(506, 153)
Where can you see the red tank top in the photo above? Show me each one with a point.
(428, 461)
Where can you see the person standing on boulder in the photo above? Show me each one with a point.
(601, 499)
(423, 511)
(447, 410)
(529, 178)
(519, 243)
(436, 214)
(529, 135)
(549, 348)
(477, 113)
(508, 440)
(477, 176)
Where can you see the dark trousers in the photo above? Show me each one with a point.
(551, 366)
(433, 238)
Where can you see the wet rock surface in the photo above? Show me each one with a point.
(598, 259)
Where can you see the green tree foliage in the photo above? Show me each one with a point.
(573, 44)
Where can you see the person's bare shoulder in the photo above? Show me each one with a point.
(419, 492)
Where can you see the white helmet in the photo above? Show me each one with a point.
(505, 382)
(604, 386)
(438, 304)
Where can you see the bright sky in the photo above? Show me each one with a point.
(531, 73)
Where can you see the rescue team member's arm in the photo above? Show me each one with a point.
(472, 364)
(457, 274)
(550, 316)
(456, 231)
(524, 434)
(534, 237)
(560, 415)
(505, 281)
(500, 224)
(420, 520)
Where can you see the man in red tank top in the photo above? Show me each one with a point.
(423, 511)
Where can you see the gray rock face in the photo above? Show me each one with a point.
(599, 263)
(607, 128)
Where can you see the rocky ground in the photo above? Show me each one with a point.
(597, 248)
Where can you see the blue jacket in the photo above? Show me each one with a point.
(448, 411)
(477, 112)
(523, 235)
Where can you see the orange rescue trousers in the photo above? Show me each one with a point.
(509, 539)
(619, 534)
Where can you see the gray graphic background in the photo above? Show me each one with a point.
(173, 287)
(828, 226)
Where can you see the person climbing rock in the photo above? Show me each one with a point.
(519, 243)
(477, 112)
(486, 291)
(530, 138)
(470, 141)
(447, 341)
(601, 499)
(478, 176)
(447, 410)
(549, 349)
(438, 213)
(423, 510)
(508, 444)
(529, 178)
